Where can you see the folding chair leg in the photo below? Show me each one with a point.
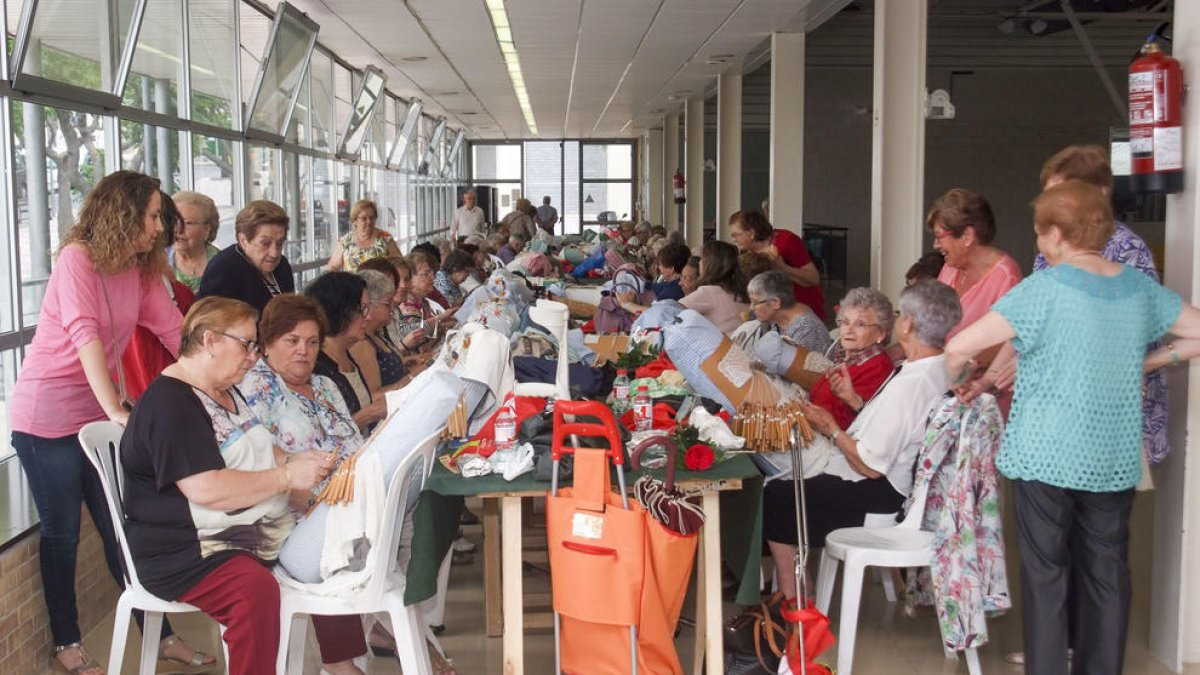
(293, 633)
(151, 632)
(410, 640)
(121, 619)
(887, 576)
(826, 577)
(852, 583)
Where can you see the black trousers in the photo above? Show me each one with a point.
(1073, 538)
(832, 503)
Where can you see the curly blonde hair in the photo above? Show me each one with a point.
(112, 221)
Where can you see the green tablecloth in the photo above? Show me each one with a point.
(436, 520)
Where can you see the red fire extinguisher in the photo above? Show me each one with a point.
(1155, 122)
(678, 183)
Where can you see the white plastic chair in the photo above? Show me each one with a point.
(905, 545)
(101, 443)
(384, 592)
(554, 317)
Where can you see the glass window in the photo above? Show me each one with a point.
(9, 359)
(74, 42)
(157, 61)
(324, 202)
(544, 173)
(492, 161)
(265, 174)
(213, 175)
(608, 162)
(213, 71)
(324, 134)
(292, 40)
(431, 160)
(570, 212)
(59, 158)
(152, 150)
(370, 89)
(255, 30)
(343, 81)
(616, 199)
(408, 128)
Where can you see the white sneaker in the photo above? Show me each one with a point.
(462, 545)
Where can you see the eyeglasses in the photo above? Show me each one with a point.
(250, 346)
(756, 303)
(194, 223)
(856, 325)
(943, 233)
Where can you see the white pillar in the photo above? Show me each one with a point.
(1175, 582)
(729, 148)
(654, 172)
(898, 142)
(786, 179)
(670, 164)
(693, 222)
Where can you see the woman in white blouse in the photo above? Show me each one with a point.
(872, 470)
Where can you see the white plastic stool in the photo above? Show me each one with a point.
(885, 576)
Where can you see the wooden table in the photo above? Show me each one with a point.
(503, 526)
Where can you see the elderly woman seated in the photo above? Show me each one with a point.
(774, 304)
(871, 471)
(862, 364)
(381, 359)
(305, 411)
(206, 489)
(343, 297)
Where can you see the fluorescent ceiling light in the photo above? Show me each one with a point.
(504, 39)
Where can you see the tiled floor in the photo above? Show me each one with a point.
(889, 642)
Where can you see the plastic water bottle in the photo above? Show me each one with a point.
(643, 408)
(505, 429)
(621, 392)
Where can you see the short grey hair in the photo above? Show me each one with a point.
(871, 299)
(469, 192)
(495, 241)
(379, 286)
(934, 309)
(773, 284)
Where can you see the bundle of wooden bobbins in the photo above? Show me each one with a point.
(768, 428)
(339, 489)
(457, 425)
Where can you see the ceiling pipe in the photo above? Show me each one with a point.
(1094, 57)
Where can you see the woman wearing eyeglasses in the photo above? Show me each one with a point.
(254, 269)
(963, 228)
(382, 359)
(774, 304)
(343, 297)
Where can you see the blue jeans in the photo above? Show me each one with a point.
(62, 479)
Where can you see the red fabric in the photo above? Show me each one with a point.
(655, 367)
(866, 378)
(339, 637)
(817, 638)
(662, 417)
(526, 406)
(793, 252)
(146, 357)
(588, 327)
(243, 596)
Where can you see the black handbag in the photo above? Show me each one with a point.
(756, 639)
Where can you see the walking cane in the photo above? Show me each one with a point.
(800, 562)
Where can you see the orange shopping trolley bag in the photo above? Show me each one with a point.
(600, 582)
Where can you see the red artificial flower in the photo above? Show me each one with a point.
(699, 457)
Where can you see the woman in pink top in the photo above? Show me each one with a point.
(963, 228)
(721, 295)
(105, 283)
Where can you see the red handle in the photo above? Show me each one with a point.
(588, 548)
(635, 456)
(606, 429)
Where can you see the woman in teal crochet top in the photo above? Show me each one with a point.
(1074, 435)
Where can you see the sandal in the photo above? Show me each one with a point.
(441, 666)
(169, 665)
(380, 642)
(86, 663)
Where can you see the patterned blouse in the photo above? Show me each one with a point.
(1127, 248)
(391, 364)
(446, 286)
(354, 255)
(192, 282)
(297, 423)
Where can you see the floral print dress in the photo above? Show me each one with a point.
(966, 580)
(296, 422)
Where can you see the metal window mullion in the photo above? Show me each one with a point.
(187, 163)
(12, 219)
(126, 62)
(237, 72)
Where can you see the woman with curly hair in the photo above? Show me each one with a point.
(106, 282)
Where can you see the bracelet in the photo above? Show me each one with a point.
(834, 436)
(287, 479)
(1174, 354)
